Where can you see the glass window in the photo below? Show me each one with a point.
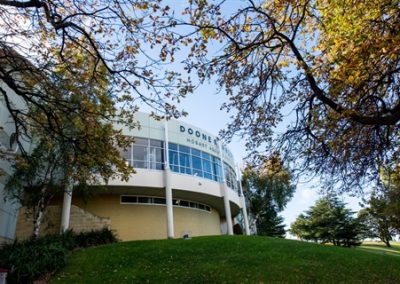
(174, 168)
(159, 154)
(156, 143)
(173, 158)
(126, 154)
(158, 200)
(197, 173)
(196, 163)
(217, 172)
(205, 156)
(230, 176)
(139, 164)
(131, 199)
(187, 160)
(184, 160)
(141, 141)
(207, 166)
(184, 149)
(145, 156)
(128, 199)
(196, 153)
(159, 166)
(216, 160)
(144, 199)
(172, 146)
(156, 156)
(139, 153)
(197, 168)
(208, 175)
(185, 170)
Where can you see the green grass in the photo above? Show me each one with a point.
(380, 248)
(224, 259)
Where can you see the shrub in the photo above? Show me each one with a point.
(31, 259)
(94, 238)
(237, 229)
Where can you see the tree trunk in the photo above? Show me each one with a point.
(387, 243)
(41, 206)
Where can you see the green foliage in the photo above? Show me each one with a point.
(237, 229)
(268, 189)
(329, 221)
(270, 224)
(391, 193)
(228, 259)
(29, 260)
(32, 259)
(94, 238)
(378, 222)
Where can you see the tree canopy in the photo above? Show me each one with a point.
(377, 220)
(40, 38)
(268, 188)
(332, 65)
(391, 195)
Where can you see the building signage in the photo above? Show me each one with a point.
(204, 140)
(198, 134)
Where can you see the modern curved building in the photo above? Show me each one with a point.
(185, 185)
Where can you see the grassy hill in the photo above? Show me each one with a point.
(224, 259)
(380, 248)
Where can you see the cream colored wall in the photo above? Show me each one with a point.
(80, 221)
(143, 222)
(196, 222)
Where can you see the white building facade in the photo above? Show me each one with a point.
(186, 184)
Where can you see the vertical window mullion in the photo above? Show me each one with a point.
(190, 161)
(131, 161)
(148, 154)
(201, 165)
(178, 151)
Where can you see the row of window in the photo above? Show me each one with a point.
(133, 199)
(149, 154)
(145, 154)
(230, 177)
(186, 160)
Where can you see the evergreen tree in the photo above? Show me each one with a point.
(329, 221)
